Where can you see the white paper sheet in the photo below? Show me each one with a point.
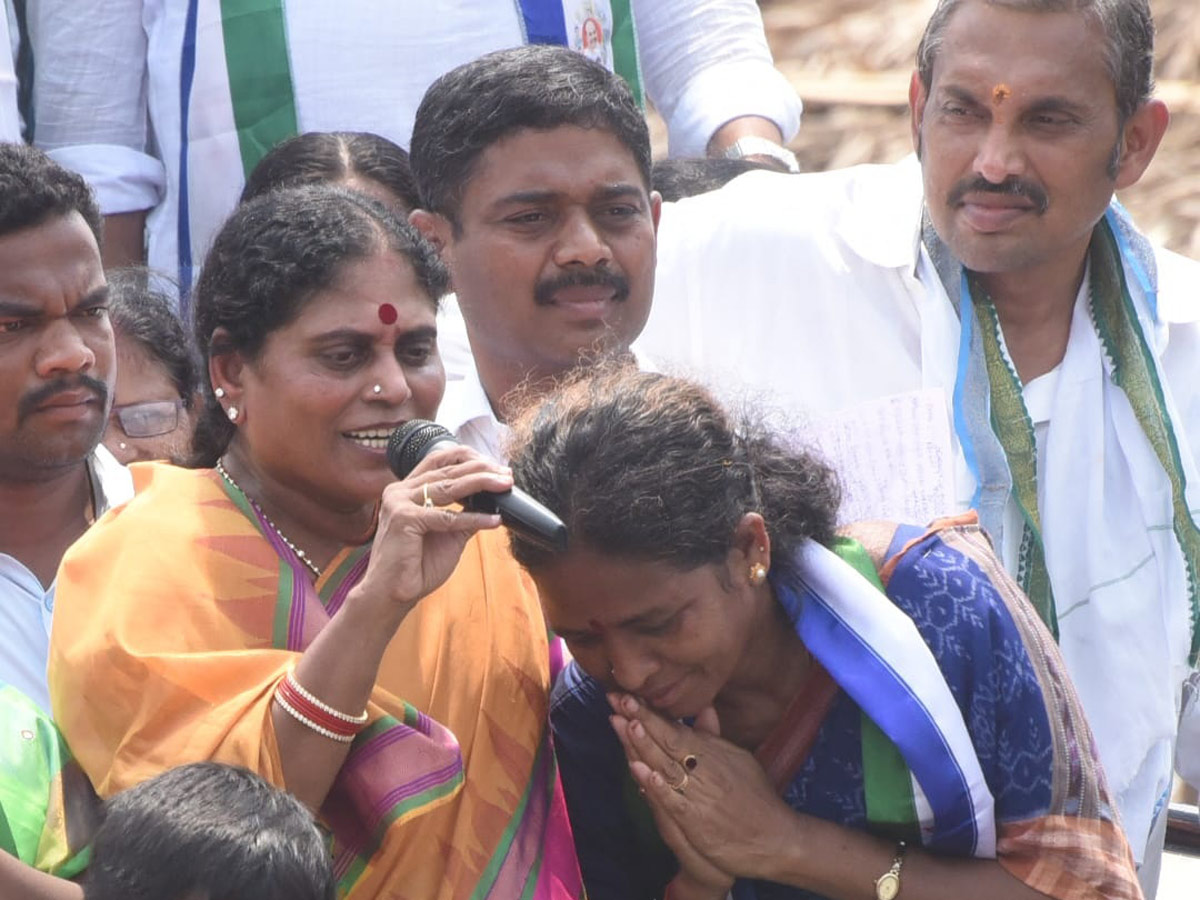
(894, 456)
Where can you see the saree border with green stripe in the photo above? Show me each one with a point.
(366, 799)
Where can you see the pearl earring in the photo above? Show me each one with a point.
(219, 393)
(232, 412)
(758, 574)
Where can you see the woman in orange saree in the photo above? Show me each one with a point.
(247, 611)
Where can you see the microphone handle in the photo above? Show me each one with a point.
(523, 515)
(518, 511)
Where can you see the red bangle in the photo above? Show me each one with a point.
(319, 714)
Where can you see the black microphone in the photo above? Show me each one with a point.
(417, 438)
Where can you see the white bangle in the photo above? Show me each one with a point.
(309, 723)
(360, 719)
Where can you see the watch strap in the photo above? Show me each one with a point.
(753, 145)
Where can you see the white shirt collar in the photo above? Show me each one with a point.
(112, 484)
(465, 409)
(892, 241)
(465, 400)
(467, 412)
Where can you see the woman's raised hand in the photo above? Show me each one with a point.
(421, 534)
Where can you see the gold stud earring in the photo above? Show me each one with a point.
(758, 574)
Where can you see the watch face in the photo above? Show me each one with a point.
(887, 887)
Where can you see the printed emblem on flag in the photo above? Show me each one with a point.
(589, 29)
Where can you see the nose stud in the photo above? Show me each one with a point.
(378, 389)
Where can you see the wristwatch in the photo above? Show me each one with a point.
(887, 887)
(752, 145)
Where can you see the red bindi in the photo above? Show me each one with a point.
(387, 313)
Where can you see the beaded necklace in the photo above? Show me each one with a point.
(300, 554)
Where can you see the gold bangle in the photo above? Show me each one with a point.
(887, 886)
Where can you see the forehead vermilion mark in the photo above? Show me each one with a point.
(1000, 93)
(387, 313)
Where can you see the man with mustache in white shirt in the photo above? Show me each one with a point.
(998, 272)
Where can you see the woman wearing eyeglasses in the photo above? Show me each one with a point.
(157, 373)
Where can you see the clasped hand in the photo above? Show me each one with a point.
(712, 801)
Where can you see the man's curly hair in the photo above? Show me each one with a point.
(34, 188)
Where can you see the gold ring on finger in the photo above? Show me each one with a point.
(679, 785)
(425, 494)
(689, 762)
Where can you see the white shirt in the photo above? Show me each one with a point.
(815, 291)
(10, 119)
(465, 409)
(26, 606)
(102, 113)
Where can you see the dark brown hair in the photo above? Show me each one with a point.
(270, 258)
(331, 157)
(1128, 30)
(648, 466)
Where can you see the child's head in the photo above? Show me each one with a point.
(207, 831)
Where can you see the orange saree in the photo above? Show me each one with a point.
(177, 616)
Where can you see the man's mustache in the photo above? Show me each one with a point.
(1009, 187)
(543, 293)
(31, 401)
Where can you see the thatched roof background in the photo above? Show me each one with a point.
(850, 62)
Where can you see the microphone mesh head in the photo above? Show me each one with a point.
(410, 442)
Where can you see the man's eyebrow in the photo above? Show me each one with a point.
(19, 309)
(1053, 103)
(95, 298)
(961, 94)
(530, 196)
(605, 192)
(617, 191)
(16, 309)
(1056, 104)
